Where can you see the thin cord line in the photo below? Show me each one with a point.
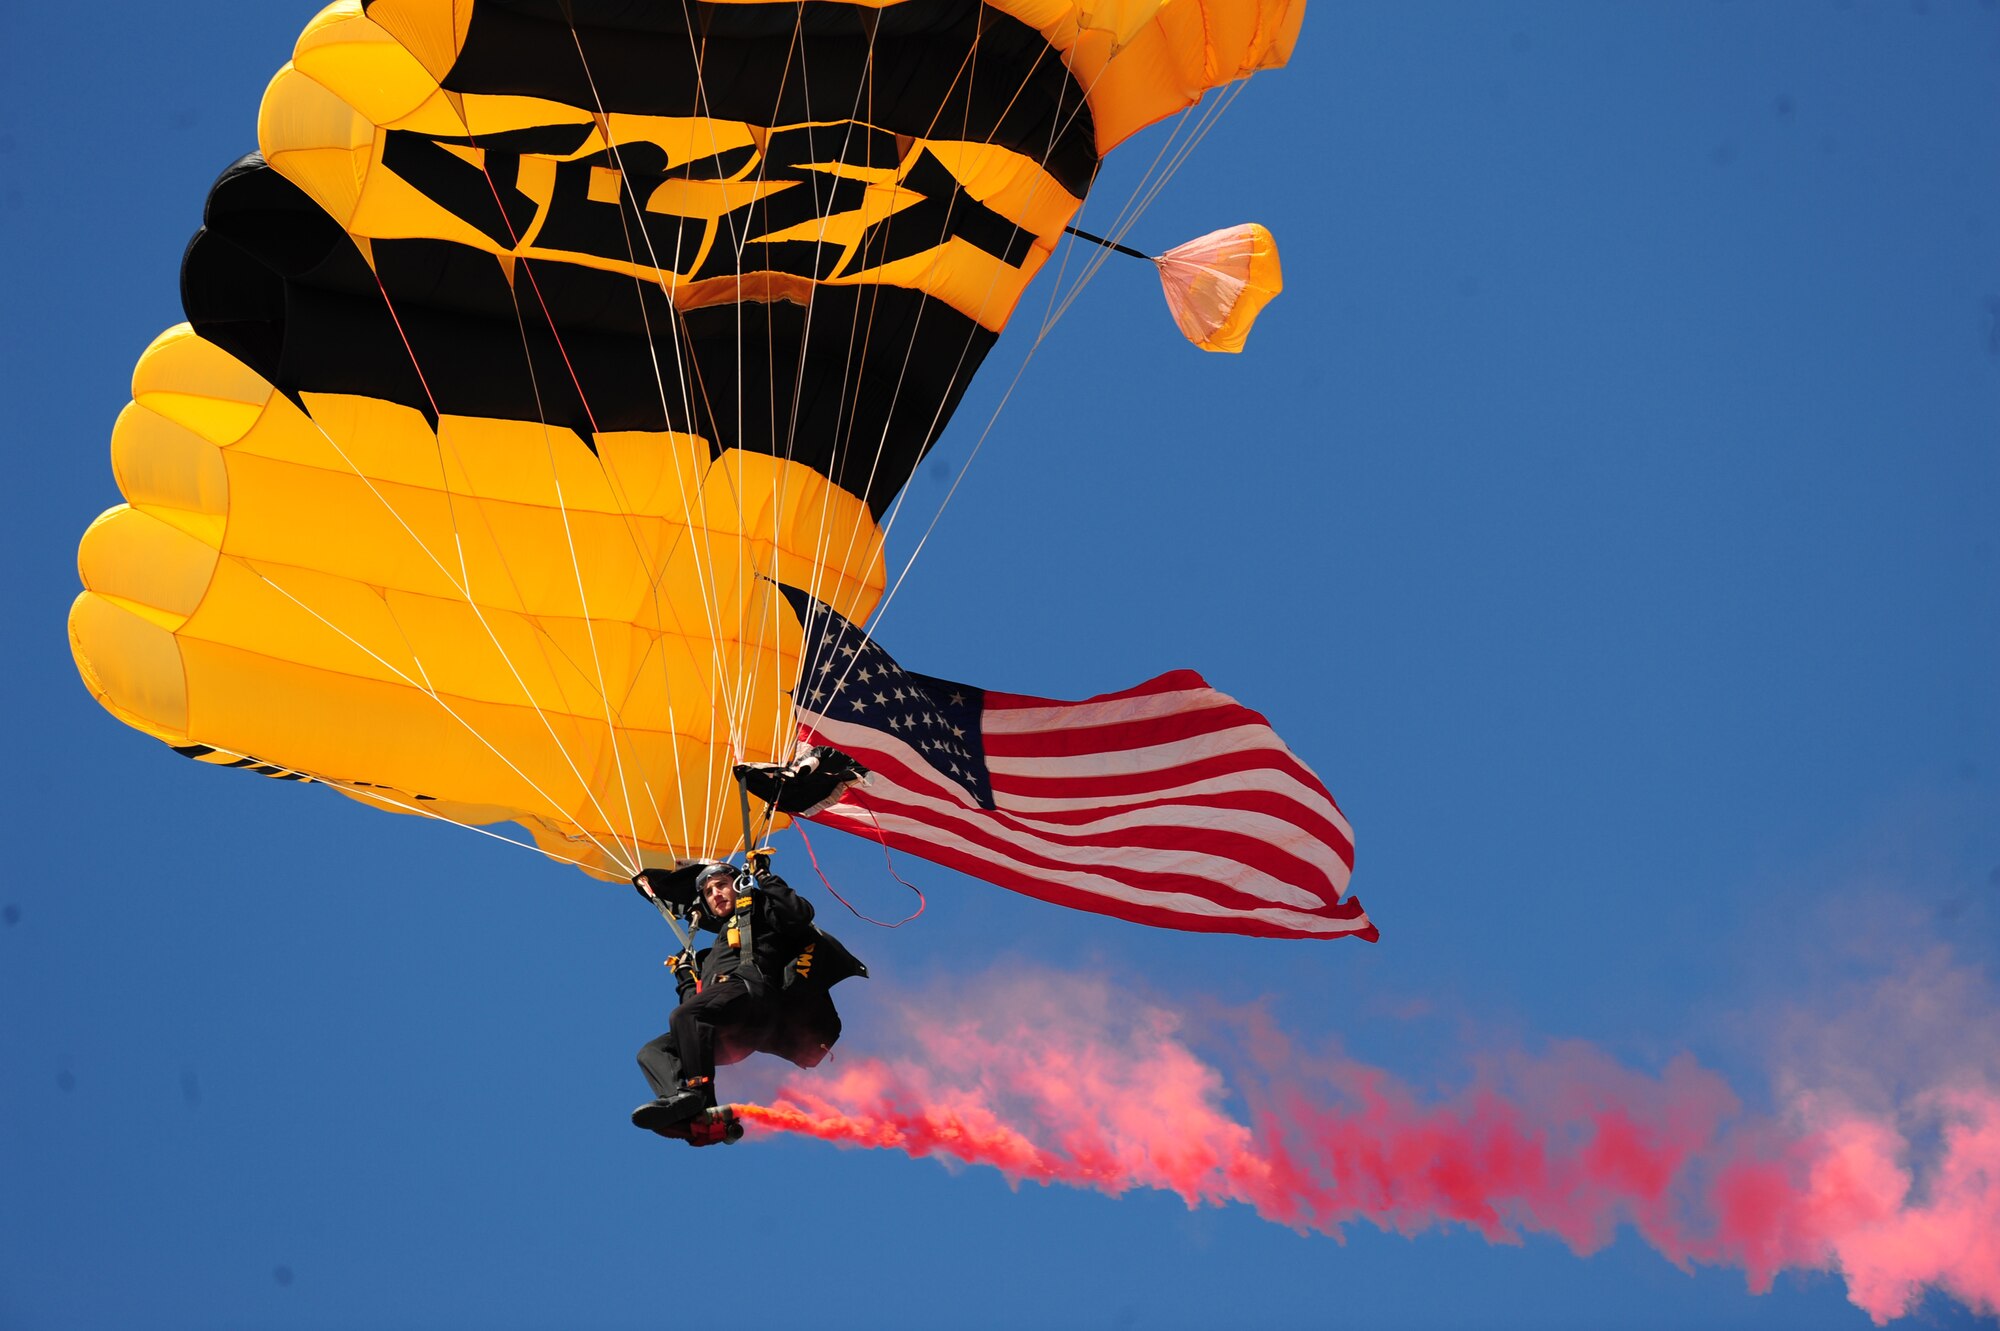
(363, 790)
(435, 697)
(367, 792)
(706, 582)
(1041, 335)
(465, 584)
(612, 485)
(464, 591)
(576, 567)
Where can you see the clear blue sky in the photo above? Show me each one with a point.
(1607, 511)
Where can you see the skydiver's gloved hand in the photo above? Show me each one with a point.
(644, 888)
(760, 861)
(686, 977)
(805, 786)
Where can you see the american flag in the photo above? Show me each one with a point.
(1168, 803)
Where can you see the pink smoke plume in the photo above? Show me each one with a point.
(1060, 1080)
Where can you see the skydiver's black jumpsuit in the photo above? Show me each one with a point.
(736, 1008)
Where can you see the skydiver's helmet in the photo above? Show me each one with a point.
(708, 874)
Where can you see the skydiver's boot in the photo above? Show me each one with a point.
(671, 1112)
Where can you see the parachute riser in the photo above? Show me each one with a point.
(685, 935)
(749, 838)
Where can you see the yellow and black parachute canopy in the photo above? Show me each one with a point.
(542, 337)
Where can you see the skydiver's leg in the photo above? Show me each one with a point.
(661, 1062)
(723, 1023)
(680, 1065)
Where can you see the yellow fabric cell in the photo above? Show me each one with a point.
(343, 48)
(965, 277)
(494, 655)
(135, 557)
(301, 614)
(652, 472)
(301, 113)
(1012, 185)
(431, 30)
(522, 462)
(532, 559)
(674, 687)
(481, 752)
(389, 208)
(170, 472)
(385, 535)
(197, 384)
(318, 141)
(352, 436)
(131, 665)
(1143, 60)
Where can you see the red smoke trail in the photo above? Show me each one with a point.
(1059, 1080)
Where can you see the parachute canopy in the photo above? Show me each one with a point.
(542, 337)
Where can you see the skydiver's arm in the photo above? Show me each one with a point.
(788, 910)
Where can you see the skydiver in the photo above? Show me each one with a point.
(731, 1006)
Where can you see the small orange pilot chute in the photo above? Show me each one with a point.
(1217, 283)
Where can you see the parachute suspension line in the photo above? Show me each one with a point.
(464, 582)
(462, 589)
(555, 476)
(705, 576)
(799, 826)
(839, 452)
(1058, 125)
(1062, 264)
(858, 334)
(712, 830)
(700, 552)
(964, 71)
(367, 792)
(968, 70)
(1152, 192)
(749, 644)
(881, 540)
(1137, 205)
(363, 790)
(450, 711)
(703, 553)
(817, 571)
(576, 567)
(655, 575)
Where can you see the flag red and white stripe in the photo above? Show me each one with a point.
(1169, 804)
